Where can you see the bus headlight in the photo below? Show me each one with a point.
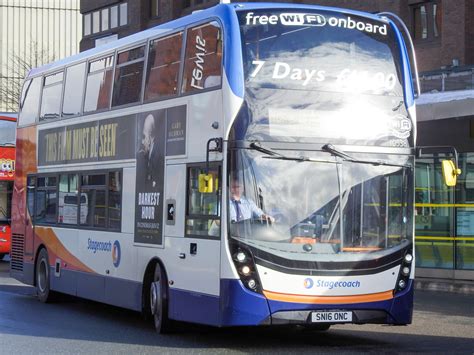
(244, 263)
(406, 270)
(240, 257)
(245, 270)
(402, 284)
(252, 284)
(408, 258)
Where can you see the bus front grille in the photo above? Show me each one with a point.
(16, 255)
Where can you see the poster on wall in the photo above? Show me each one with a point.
(176, 131)
(150, 155)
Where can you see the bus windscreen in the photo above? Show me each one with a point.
(322, 75)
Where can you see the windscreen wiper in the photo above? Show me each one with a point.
(329, 148)
(7, 144)
(274, 155)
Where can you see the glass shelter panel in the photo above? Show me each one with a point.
(434, 216)
(465, 213)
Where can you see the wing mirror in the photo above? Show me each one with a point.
(206, 183)
(450, 172)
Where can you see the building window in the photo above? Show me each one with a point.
(96, 22)
(114, 16)
(87, 24)
(107, 18)
(426, 20)
(155, 8)
(123, 14)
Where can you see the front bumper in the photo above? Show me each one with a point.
(243, 307)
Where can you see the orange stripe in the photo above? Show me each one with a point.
(373, 297)
(49, 237)
(361, 249)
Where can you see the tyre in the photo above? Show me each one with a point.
(159, 301)
(42, 278)
(2, 256)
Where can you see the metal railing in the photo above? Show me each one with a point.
(449, 79)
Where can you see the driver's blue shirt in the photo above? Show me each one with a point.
(248, 209)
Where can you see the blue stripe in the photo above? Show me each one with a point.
(193, 307)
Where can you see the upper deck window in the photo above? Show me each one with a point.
(164, 61)
(51, 98)
(99, 81)
(73, 89)
(29, 102)
(128, 76)
(203, 68)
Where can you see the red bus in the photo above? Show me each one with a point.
(7, 176)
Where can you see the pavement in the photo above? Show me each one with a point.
(444, 285)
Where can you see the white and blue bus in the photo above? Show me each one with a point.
(248, 164)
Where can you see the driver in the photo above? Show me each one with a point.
(241, 208)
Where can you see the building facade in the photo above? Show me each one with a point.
(443, 34)
(33, 33)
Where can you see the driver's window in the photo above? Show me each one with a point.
(203, 210)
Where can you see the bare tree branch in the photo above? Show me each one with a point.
(18, 67)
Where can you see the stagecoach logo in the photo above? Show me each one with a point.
(400, 126)
(116, 253)
(308, 283)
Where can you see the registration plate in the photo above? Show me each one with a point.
(331, 317)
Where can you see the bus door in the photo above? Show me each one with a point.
(29, 217)
(197, 254)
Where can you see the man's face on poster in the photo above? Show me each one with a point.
(148, 131)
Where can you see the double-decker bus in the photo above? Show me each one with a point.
(248, 164)
(7, 176)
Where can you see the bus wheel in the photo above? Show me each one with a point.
(2, 256)
(159, 301)
(42, 278)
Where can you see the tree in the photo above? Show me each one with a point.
(11, 81)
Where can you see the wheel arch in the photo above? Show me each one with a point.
(147, 279)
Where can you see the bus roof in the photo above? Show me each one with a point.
(8, 116)
(222, 11)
